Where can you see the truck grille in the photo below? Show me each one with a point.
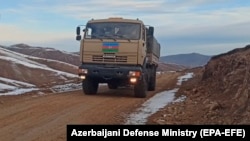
(109, 57)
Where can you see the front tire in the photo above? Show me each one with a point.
(89, 86)
(152, 80)
(140, 89)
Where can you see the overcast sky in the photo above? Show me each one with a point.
(208, 27)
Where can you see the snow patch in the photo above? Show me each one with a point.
(158, 101)
(66, 87)
(36, 66)
(19, 91)
(15, 82)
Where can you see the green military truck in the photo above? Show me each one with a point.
(119, 52)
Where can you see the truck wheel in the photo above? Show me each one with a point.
(140, 89)
(152, 81)
(89, 86)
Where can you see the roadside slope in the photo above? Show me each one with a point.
(218, 94)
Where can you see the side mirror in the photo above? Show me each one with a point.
(78, 33)
(78, 37)
(78, 30)
(151, 30)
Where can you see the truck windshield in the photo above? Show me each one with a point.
(113, 30)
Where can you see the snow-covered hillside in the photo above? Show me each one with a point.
(23, 73)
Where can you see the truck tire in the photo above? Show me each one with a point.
(140, 89)
(89, 87)
(152, 80)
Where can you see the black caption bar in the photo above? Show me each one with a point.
(80, 132)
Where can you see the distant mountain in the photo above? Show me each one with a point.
(170, 67)
(189, 60)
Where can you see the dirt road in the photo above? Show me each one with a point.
(44, 117)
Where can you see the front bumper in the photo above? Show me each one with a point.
(107, 72)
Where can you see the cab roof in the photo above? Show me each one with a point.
(116, 19)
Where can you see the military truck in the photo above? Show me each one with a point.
(119, 52)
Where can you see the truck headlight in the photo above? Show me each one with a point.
(133, 80)
(82, 77)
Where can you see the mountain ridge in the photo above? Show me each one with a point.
(189, 60)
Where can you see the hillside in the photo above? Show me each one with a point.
(218, 94)
(188, 60)
(22, 73)
(48, 53)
